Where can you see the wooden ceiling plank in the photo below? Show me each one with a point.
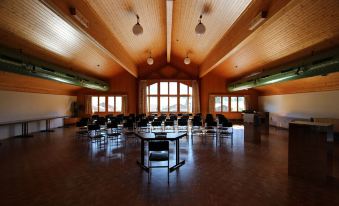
(115, 50)
(233, 38)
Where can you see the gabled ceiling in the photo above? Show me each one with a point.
(47, 30)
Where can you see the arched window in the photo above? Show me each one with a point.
(169, 97)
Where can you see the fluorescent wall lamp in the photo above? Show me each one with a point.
(257, 20)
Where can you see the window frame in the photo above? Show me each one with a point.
(106, 104)
(229, 97)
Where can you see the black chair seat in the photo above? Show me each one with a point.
(113, 134)
(158, 156)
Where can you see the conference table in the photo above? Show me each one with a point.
(164, 137)
(24, 124)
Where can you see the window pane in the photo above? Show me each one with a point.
(217, 104)
(164, 104)
(173, 104)
(183, 88)
(190, 90)
(95, 104)
(173, 87)
(190, 104)
(153, 89)
(225, 104)
(233, 104)
(102, 104)
(241, 104)
(183, 104)
(153, 104)
(118, 104)
(111, 104)
(163, 87)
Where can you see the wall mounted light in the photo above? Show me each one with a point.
(137, 28)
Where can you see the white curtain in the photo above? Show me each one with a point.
(142, 96)
(195, 97)
(211, 101)
(88, 104)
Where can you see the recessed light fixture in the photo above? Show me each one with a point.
(150, 60)
(200, 28)
(187, 60)
(137, 28)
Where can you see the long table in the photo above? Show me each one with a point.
(24, 124)
(169, 137)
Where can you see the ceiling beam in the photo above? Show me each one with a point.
(169, 18)
(97, 32)
(234, 37)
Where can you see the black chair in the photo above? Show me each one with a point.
(169, 126)
(113, 131)
(82, 129)
(156, 125)
(142, 126)
(211, 130)
(182, 125)
(196, 128)
(158, 151)
(226, 131)
(128, 130)
(95, 135)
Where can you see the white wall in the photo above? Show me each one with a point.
(284, 108)
(21, 105)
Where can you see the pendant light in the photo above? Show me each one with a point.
(200, 28)
(150, 60)
(187, 60)
(137, 28)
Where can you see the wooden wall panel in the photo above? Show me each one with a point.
(122, 83)
(213, 83)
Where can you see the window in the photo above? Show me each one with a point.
(95, 103)
(114, 104)
(102, 104)
(223, 103)
(168, 97)
(234, 104)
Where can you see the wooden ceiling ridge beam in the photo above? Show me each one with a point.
(169, 22)
(239, 34)
(114, 50)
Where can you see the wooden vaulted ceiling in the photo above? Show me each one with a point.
(46, 29)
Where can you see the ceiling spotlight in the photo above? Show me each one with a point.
(137, 28)
(150, 60)
(200, 28)
(187, 60)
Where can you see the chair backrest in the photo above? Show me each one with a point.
(227, 124)
(156, 123)
(197, 123)
(158, 146)
(142, 124)
(81, 124)
(173, 117)
(112, 125)
(211, 124)
(93, 127)
(169, 123)
(182, 122)
(128, 125)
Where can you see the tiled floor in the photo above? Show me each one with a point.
(56, 169)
